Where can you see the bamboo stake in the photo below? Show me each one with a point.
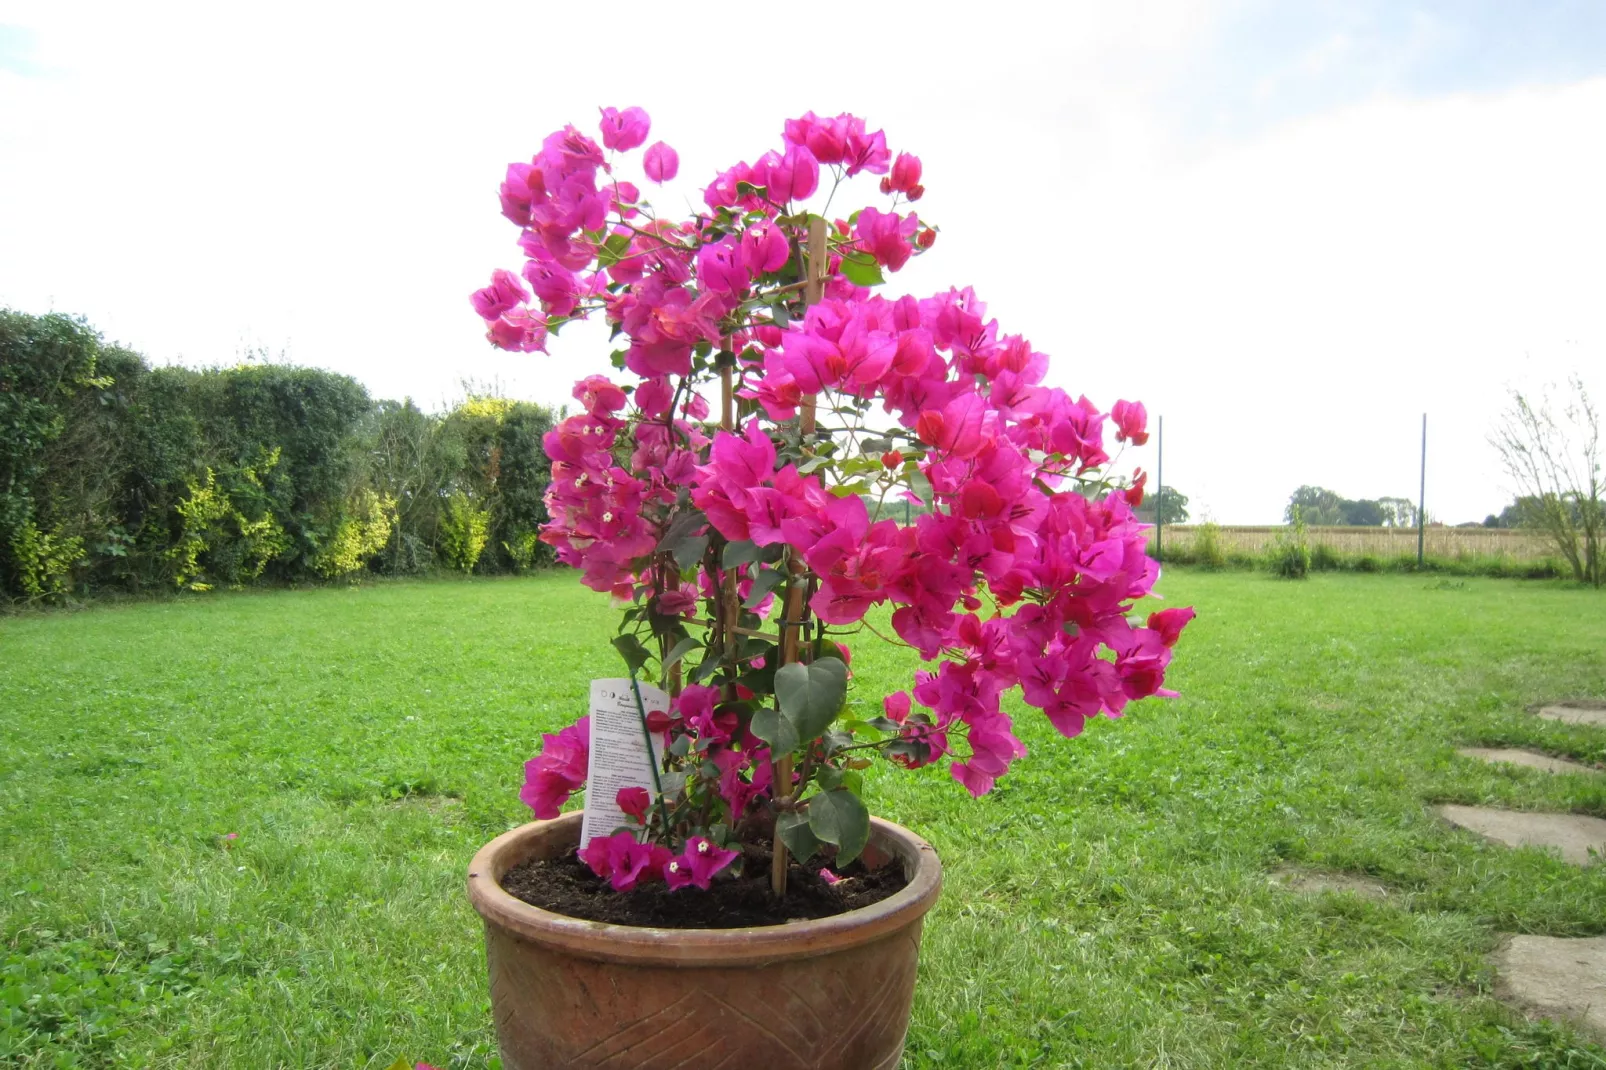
(781, 770)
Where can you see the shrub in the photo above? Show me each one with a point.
(1206, 549)
(362, 534)
(523, 549)
(44, 560)
(229, 532)
(1290, 554)
(464, 529)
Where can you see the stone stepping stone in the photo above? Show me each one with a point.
(1571, 834)
(1575, 713)
(1316, 882)
(1528, 758)
(1556, 978)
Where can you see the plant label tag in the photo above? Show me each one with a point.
(619, 756)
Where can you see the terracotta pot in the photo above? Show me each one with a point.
(831, 994)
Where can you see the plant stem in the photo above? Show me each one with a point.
(781, 770)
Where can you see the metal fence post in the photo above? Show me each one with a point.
(1159, 494)
(1422, 495)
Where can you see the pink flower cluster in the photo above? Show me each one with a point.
(558, 771)
(625, 863)
(1011, 576)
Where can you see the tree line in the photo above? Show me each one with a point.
(117, 475)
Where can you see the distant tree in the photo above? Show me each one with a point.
(1317, 506)
(1398, 512)
(1321, 507)
(1361, 513)
(1171, 506)
(1509, 517)
(1552, 451)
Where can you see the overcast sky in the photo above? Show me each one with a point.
(1291, 228)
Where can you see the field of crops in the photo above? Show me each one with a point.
(1382, 542)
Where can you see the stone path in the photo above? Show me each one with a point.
(1546, 975)
(1528, 758)
(1575, 713)
(1556, 978)
(1571, 834)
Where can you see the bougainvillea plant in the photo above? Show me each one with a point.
(746, 545)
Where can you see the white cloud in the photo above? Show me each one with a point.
(321, 180)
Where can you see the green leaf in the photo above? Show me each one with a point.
(835, 741)
(685, 522)
(739, 553)
(689, 551)
(682, 648)
(794, 830)
(632, 651)
(777, 731)
(840, 817)
(612, 250)
(708, 667)
(763, 584)
(759, 681)
(859, 273)
(753, 647)
(812, 695)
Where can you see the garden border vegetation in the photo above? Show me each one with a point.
(117, 476)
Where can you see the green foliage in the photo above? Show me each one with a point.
(523, 550)
(464, 529)
(116, 475)
(363, 533)
(46, 364)
(1290, 553)
(43, 560)
(1207, 551)
(229, 532)
(811, 695)
(1168, 505)
(1328, 508)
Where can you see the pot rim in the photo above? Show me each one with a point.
(648, 946)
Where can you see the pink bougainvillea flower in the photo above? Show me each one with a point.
(660, 162)
(634, 802)
(1134, 493)
(624, 130)
(1130, 419)
(599, 395)
(519, 331)
(681, 602)
(905, 176)
(558, 771)
(896, 706)
(886, 236)
(624, 863)
(1170, 622)
(505, 292)
(697, 864)
(792, 176)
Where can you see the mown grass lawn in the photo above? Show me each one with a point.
(1108, 906)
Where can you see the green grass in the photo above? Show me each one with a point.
(1107, 906)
